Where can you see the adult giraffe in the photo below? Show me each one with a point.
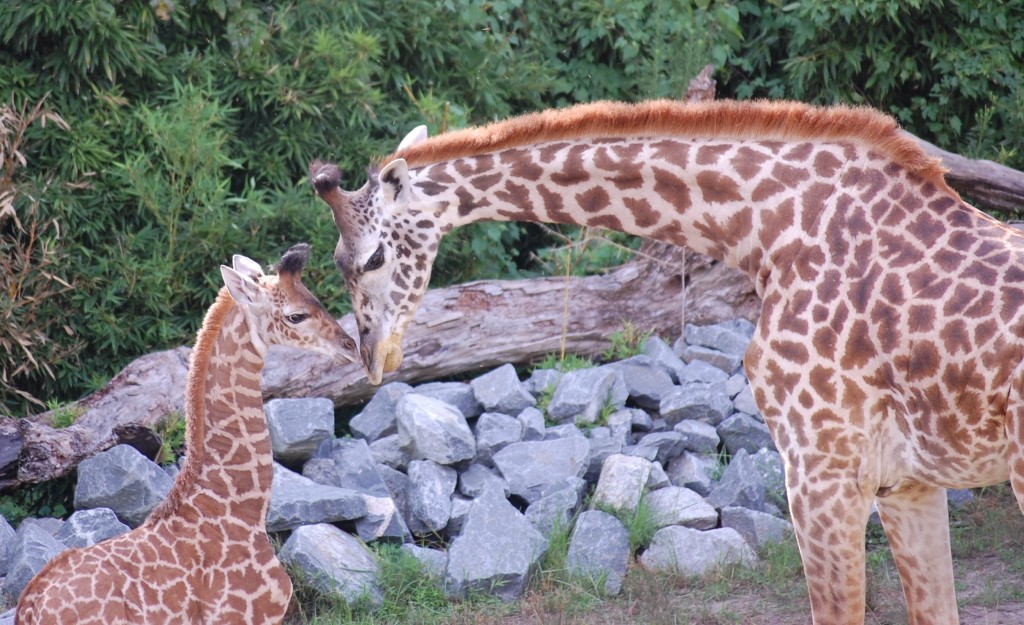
(203, 555)
(887, 356)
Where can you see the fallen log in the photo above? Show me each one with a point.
(458, 330)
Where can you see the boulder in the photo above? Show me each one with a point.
(88, 527)
(428, 498)
(581, 394)
(433, 561)
(674, 505)
(334, 562)
(557, 507)
(476, 479)
(501, 391)
(298, 426)
(698, 437)
(296, 500)
(698, 402)
(757, 528)
(33, 546)
(494, 431)
(646, 383)
(622, 482)
(458, 394)
(534, 469)
(532, 422)
(6, 543)
(378, 417)
(599, 549)
(496, 551)
(742, 431)
(659, 351)
(388, 450)
(430, 429)
(123, 480)
(698, 472)
(751, 481)
(685, 551)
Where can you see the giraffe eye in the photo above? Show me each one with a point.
(297, 318)
(376, 260)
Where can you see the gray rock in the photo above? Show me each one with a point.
(476, 479)
(620, 426)
(735, 384)
(728, 363)
(698, 402)
(700, 372)
(557, 508)
(378, 417)
(430, 429)
(496, 551)
(622, 482)
(730, 337)
(460, 510)
(494, 431)
(533, 469)
(757, 528)
(667, 445)
(599, 549)
(685, 551)
(33, 546)
(388, 450)
(957, 498)
(662, 355)
(533, 424)
(297, 500)
(646, 383)
(658, 479)
(429, 495)
(566, 430)
(647, 452)
(543, 381)
(88, 527)
(7, 618)
(123, 480)
(642, 422)
(675, 505)
(347, 463)
(745, 403)
(6, 543)
(397, 483)
(434, 561)
(298, 426)
(501, 391)
(698, 472)
(581, 394)
(600, 449)
(48, 524)
(742, 431)
(698, 437)
(751, 481)
(333, 562)
(458, 394)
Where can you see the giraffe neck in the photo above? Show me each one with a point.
(229, 467)
(728, 199)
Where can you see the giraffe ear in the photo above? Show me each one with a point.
(247, 266)
(416, 135)
(394, 182)
(243, 288)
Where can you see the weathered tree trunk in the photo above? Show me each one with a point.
(457, 330)
(990, 185)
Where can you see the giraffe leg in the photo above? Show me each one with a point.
(916, 522)
(829, 523)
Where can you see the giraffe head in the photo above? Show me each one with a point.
(280, 310)
(386, 248)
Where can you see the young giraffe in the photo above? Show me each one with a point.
(203, 555)
(887, 356)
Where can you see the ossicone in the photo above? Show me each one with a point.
(294, 259)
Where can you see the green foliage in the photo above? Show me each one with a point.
(46, 499)
(565, 364)
(172, 436)
(64, 416)
(625, 342)
(950, 71)
(639, 522)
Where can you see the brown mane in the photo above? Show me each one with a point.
(726, 119)
(195, 409)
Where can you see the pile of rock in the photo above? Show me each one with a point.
(484, 471)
